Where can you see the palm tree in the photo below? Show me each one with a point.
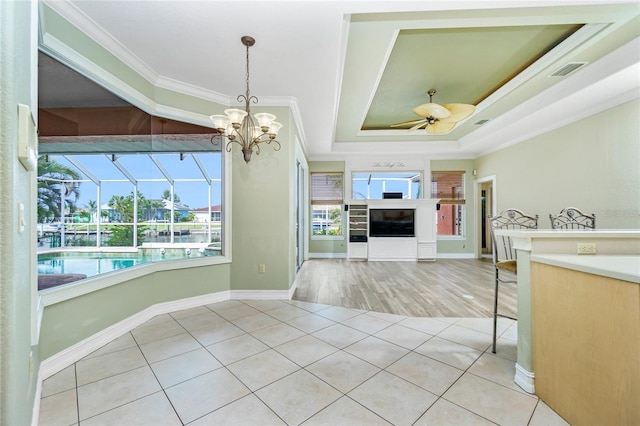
(120, 204)
(52, 176)
(92, 207)
(166, 195)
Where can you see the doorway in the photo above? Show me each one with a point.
(300, 215)
(486, 205)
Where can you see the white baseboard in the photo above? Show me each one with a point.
(75, 353)
(456, 256)
(259, 295)
(68, 356)
(525, 379)
(292, 290)
(327, 255)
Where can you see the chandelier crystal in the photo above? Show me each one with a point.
(238, 126)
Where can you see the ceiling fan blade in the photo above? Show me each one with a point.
(432, 110)
(458, 112)
(407, 123)
(417, 126)
(439, 127)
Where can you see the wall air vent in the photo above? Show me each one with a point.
(481, 122)
(567, 69)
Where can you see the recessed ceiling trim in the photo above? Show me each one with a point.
(193, 90)
(606, 83)
(564, 48)
(374, 87)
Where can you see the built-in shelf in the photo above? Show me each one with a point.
(421, 246)
(358, 231)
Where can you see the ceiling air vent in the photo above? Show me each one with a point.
(567, 69)
(480, 122)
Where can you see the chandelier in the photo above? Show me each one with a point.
(237, 126)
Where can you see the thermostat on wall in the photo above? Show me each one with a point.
(27, 138)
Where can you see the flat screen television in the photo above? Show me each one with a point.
(391, 223)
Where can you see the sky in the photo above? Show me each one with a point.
(190, 186)
(191, 192)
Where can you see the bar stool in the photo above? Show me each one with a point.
(504, 254)
(572, 218)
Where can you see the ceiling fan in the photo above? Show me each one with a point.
(438, 119)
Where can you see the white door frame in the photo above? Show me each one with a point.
(494, 206)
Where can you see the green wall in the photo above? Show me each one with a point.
(263, 213)
(73, 320)
(464, 244)
(592, 164)
(328, 246)
(18, 40)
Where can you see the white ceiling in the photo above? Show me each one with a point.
(326, 59)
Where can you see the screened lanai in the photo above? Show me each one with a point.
(130, 199)
(117, 186)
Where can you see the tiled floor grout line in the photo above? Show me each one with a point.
(75, 375)
(156, 377)
(367, 334)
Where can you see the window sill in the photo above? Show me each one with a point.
(327, 237)
(451, 237)
(68, 291)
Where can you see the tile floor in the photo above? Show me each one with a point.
(289, 362)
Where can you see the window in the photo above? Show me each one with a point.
(373, 186)
(326, 204)
(448, 187)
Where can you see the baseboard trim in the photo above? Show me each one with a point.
(456, 256)
(327, 255)
(525, 379)
(259, 294)
(74, 353)
(293, 288)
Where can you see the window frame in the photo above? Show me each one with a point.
(457, 201)
(326, 196)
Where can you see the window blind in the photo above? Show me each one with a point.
(448, 187)
(326, 188)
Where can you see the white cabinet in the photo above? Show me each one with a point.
(422, 246)
(357, 251)
(426, 229)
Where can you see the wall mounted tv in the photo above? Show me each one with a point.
(391, 223)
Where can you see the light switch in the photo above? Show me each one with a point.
(22, 222)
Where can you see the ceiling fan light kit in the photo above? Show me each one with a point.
(438, 119)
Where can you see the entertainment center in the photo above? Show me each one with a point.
(392, 229)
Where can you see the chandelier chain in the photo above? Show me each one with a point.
(247, 95)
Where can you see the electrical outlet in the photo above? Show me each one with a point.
(586, 248)
(261, 268)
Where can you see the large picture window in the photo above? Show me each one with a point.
(374, 186)
(448, 187)
(327, 197)
(118, 187)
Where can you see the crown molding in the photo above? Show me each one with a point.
(88, 26)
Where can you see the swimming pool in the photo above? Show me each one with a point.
(95, 263)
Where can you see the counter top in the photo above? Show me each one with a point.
(621, 267)
(570, 233)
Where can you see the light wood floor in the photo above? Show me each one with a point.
(444, 288)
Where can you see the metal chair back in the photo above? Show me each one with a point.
(572, 218)
(508, 219)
